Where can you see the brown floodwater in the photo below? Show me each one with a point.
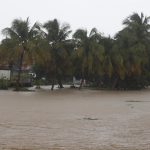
(72, 119)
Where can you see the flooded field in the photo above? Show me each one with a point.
(70, 119)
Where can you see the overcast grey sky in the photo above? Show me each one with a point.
(106, 15)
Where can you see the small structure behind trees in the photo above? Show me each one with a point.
(5, 72)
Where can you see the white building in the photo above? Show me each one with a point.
(5, 74)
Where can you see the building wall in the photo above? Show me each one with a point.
(5, 74)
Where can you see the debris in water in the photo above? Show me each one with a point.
(88, 118)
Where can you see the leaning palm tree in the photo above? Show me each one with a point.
(136, 37)
(139, 26)
(21, 34)
(57, 39)
(133, 45)
(90, 53)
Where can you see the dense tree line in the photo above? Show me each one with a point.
(121, 62)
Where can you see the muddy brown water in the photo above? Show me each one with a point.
(70, 119)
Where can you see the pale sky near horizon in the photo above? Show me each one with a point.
(105, 15)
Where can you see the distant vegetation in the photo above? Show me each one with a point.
(121, 62)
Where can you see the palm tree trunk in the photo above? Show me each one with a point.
(18, 84)
(60, 84)
(81, 84)
(38, 85)
(115, 83)
(52, 88)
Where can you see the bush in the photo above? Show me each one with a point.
(4, 84)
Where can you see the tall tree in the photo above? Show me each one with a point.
(138, 25)
(90, 54)
(133, 44)
(56, 36)
(21, 34)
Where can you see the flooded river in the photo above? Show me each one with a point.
(71, 119)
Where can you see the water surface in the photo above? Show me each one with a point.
(71, 119)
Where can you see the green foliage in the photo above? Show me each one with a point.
(4, 84)
(19, 37)
(122, 62)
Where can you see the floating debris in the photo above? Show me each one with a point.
(88, 118)
(135, 101)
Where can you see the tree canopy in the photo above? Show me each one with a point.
(119, 62)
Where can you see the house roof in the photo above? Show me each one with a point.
(4, 67)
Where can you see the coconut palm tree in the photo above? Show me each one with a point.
(139, 25)
(56, 36)
(133, 45)
(8, 53)
(21, 34)
(90, 54)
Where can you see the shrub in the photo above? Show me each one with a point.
(4, 83)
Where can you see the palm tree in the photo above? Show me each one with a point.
(139, 25)
(57, 39)
(133, 45)
(8, 53)
(90, 54)
(21, 34)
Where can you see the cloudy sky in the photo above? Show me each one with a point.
(106, 15)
